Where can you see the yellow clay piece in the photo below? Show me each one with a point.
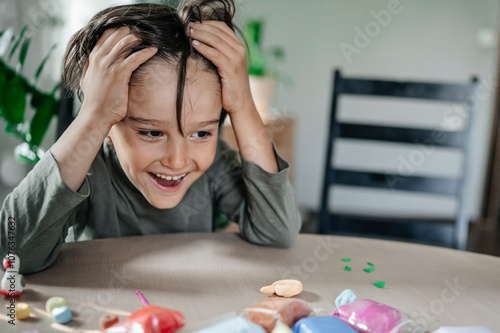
(22, 311)
(284, 288)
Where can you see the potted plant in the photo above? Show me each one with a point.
(261, 66)
(16, 91)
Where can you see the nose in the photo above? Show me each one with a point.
(175, 154)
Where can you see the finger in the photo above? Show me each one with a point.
(124, 47)
(84, 71)
(103, 38)
(132, 62)
(223, 27)
(214, 39)
(216, 28)
(214, 55)
(114, 38)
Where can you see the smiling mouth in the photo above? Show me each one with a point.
(167, 181)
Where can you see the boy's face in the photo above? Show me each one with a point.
(160, 161)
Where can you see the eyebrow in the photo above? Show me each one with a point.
(156, 122)
(208, 122)
(146, 121)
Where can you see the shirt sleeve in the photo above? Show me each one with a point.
(263, 204)
(42, 208)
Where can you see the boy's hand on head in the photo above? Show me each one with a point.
(219, 44)
(106, 74)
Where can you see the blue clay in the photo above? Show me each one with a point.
(61, 315)
(347, 296)
(322, 325)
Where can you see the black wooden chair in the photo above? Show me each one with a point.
(452, 233)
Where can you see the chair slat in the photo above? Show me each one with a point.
(430, 91)
(445, 186)
(405, 135)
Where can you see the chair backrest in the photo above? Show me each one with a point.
(461, 94)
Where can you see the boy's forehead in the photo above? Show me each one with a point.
(155, 95)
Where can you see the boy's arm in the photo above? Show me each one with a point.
(261, 197)
(105, 85)
(219, 44)
(35, 217)
(263, 203)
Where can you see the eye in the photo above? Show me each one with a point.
(202, 135)
(151, 134)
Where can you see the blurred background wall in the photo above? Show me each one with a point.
(442, 40)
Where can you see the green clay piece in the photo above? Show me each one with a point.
(347, 268)
(369, 270)
(281, 328)
(370, 264)
(346, 259)
(380, 284)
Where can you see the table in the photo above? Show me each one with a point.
(210, 276)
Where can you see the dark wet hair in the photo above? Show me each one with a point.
(156, 25)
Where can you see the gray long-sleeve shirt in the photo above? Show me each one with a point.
(47, 212)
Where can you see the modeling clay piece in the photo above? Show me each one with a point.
(22, 311)
(281, 328)
(272, 310)
(285, 288)
(368, 316)
(54, 302)
(107, 321)
(322, 324)
(12, 283)
(347, 296)
(380, 284)
(62, 315)
(234, 325)
(150, 319)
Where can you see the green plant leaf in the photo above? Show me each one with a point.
(41, 120)
(253, 31)
(42, 64)
(36, 99)
(15, 130)
(27, 154)
(22, 54)
(15, 101)
(16, 44)
(3, 84)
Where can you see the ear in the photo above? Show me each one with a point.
(108, 139)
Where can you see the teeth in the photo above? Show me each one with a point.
(169, 177)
